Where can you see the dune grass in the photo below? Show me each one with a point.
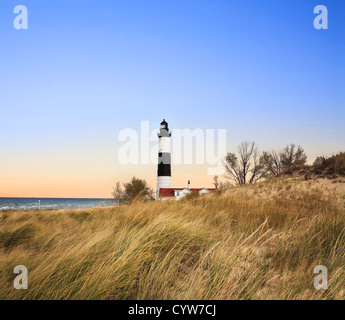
(254, 242)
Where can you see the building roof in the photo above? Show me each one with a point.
(169, 192)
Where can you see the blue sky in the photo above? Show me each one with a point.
(84, 70)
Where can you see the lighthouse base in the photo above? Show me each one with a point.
(163, 182)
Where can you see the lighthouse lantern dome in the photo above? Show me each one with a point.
(164, 125)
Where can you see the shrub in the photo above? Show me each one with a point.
(332, 165)
(135, 189)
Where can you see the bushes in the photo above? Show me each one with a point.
(337, 163)
(136, 189)
(332, 165)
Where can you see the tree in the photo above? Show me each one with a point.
(271, 163)
(215, 182)
(319, 161)
(292, 157)
(246, 168)
(275, 163)
(118, 193)
(331, 165)
(135, 189)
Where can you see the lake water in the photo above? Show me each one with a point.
(52, 203)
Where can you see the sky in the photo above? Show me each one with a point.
(86, 70)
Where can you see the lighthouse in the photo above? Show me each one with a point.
(164, 158)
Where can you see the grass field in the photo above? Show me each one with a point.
(254, 242)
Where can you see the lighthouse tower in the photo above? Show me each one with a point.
(164, 158)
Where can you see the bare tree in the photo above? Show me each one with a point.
(247, 167)
(292, 157)
(118, 193)
(271, 162)
(275, 163)
(215, 182)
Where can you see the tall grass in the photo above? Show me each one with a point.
(253, 242)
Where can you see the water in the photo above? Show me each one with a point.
(52, 203)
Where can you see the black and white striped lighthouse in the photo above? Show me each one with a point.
(164, 158)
